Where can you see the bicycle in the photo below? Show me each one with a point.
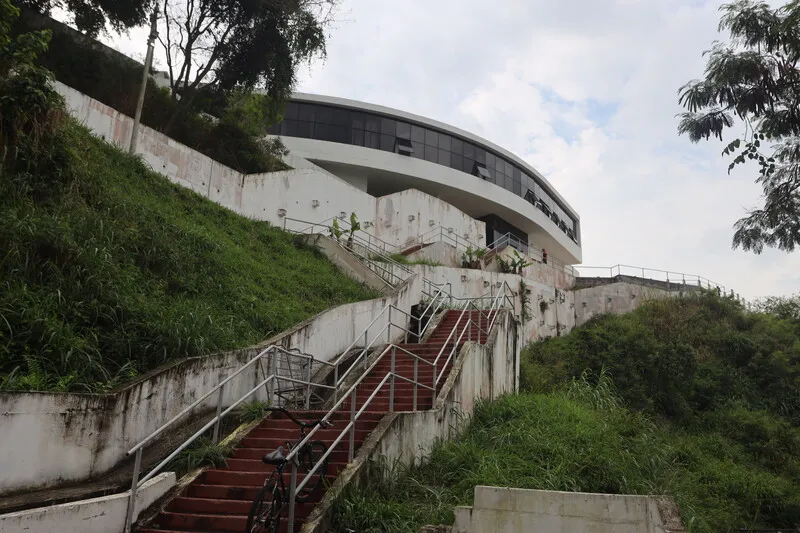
(265, 514)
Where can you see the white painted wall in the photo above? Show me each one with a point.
(97, 515)
(50, 439)
(509, 510)
(262, 196)
(618, 298)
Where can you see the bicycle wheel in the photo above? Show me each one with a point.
(265, 513)
(308, 457)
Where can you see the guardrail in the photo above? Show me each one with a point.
(270, 382)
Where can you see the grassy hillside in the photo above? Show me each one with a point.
(109, 270)
(704, 409)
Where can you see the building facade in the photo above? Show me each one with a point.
(383, 151)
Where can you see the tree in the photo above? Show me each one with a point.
(220, 46)
(753, 83)
(91, 16)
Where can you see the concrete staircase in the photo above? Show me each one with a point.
(219, 500)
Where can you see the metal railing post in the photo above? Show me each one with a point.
(352, 451)
(416, 364)
(389, 328)
(271, 383)
(308, 385)
(134, 489)
(433, 385)
(335, 383)
(215, 436)
(391, 381)
(469, 327)
(480, 314)
(292, 489)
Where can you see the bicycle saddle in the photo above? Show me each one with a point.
(275, 458)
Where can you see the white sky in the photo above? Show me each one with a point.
(585, 91)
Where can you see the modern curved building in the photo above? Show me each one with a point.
(384, 151)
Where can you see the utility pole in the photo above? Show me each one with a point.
(145, 76)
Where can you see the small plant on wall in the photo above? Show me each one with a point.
(336, 231)
(524, 301)
(355, 225)
(473, 258)
(514, 265)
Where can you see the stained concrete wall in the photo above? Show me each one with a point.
(394, 222)
(481, 372)
(507, 510)
(617, 298)
(50, 439)
(97, 515)
(306, 192)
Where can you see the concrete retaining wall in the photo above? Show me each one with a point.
(305, 192)
(506, 510)
(50, 439)
(617, 298)
(97, 515)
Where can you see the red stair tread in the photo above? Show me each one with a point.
(219, 499)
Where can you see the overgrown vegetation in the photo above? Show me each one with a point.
(252, 411)
(200, 453)
(704, 409)
(113, 79)
(109, 270)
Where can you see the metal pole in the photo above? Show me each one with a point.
(271, 383)
(215, 437)
(308, 385)
(335, 383)
(145, 77)
(134, 488)
(416, 363)
(389, 328)
(391, 382)
(351, 453)
(292, 489)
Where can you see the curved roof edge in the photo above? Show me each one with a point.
(366, 106)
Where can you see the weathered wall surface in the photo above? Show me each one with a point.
(618, 298)
(307, 192)
(508, 510)
(405, 216)
(98, 515)
(51, 438)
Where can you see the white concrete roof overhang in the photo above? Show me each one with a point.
(471, 194)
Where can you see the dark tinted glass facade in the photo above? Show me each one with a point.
(349, 126)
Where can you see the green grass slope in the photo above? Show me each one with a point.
(704, 409)
(109, 270)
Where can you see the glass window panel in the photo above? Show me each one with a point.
(341, 134)
(431, 154)
(419, 149)
(372, 123)
(323, 132)
(468, 165)
(431, 138)
(305, 112)
(480, 156)
(508, 183)
(517, 175)
(341, 117)
(289, 128)
(323, 115)
(290, 111)
(456, 146)
(372, 139)
(418, 134)
(490, 160)
(509, 169)
(517, 188)
(404, 130)
(387, 142)
(445, 141)
(274, 129)
(305, 129)
(358, 120)
(469, 150)
(388, 126)
(358, 137)
(456, 161)
(444, 157)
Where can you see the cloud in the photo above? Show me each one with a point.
(584, 90)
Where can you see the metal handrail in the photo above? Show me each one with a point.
(136, 483)
(324, 224)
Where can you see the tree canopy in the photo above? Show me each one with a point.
(91, 16)
(752, 82)
(225, 46)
